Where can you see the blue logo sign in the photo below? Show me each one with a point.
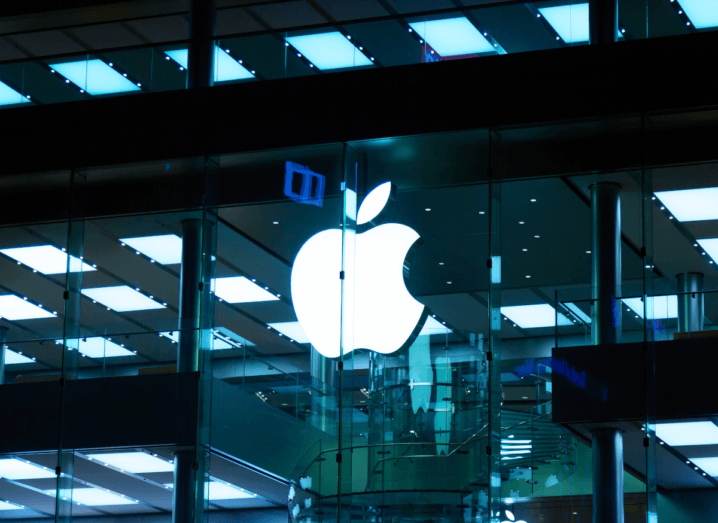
(312, 190)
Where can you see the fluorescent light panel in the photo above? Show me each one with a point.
(534, 316)
(569, 21)
(13, 358)
(236, 338)
(97, 347)
(134, 462)
(6, 505)
(95, 77)
(46, 259)
(702, 13)
(292, 330)
(218, 491)
(226, 68)
(238, 289)
(453, 36)
(663, 307)
(15, 308)
(9, 96)
(432, 326)
(165, 248)
(710, 465)
(710, 245)
(122, 298)
(96, 497)
(16, 469)
(688, 433)
(329, 50)
(691, 205)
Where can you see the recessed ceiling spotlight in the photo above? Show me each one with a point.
(525, 250)
(533, 199)
(528, 275)
(521, 223)
(448, 283)
(276, 223)
(427, 209)
(588, 252)
(537, 236)
(441, 263)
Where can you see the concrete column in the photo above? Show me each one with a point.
(606, 262)
(3, 339)
(607, 475)
(190, 297)
(202, 27)
(183, 499)
(603, 21)
(690, 301)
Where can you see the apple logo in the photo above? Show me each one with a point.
(386, 317)
(511, 518)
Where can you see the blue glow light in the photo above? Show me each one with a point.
(534, 316)
(710, 465)
(165, 248)
(689, 433)
(453, 37)
(9, 96)
(691, 205)
(703, 13)
(46, 259)
(95, 77)
(226, 68)
(569, 21)
(329, 50)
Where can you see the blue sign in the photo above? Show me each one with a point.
(311, 193)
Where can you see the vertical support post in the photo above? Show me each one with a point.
(190, 296)
(183, 498)
(603, 21)
(607, 446)
(690, 301)
(606, 262)
(201, 56)
(3, 339)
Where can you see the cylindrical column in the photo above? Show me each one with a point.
(606, 262)
(607, 475)
(200, 61)
(690, 301)
(190, 297)
(3, 339)
(183, 500)
(603, 21)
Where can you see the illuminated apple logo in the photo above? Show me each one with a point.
(385, 316)
(511, 518)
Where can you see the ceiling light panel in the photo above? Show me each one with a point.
(224, 332)
(17, 469)
(97, 347)
(569, 21)
(691, 205)
(165, 248)
(659, 307)
(134, 462)
(238, 289)
(122, 298)
(330, 50)
(181, 56)
(13, 358)
(432, 326)
(292, 330)
(710, 465)
(96, 497)
(710, 245)
(9, 96)
(95, 77)
(46, 259)
(6, 505)
(703, 13)
(15, 308)
(453, 37)
(534, 316)
(689, 433)
(226, 67)
(219, 490)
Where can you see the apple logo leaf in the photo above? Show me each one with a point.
(374, 203)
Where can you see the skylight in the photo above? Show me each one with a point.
(710, 245)
(702, 13)
(569, 21)
(122, 298)
(220, 490)
(226, 68)
(13, 358)
(165, 248)
(134, 462)
(578, 312)
(238, 289)
(432, 326)
(691, 205)
(95, 77)
(291, 330)
(96, 497)
(453, 37)
(330, 50)
(534, 316)
(710, 465)
(664, 307)
(689, 433)
(97, 347)
(9, 96)
(46, 259)
(15, 308)
(17, 469)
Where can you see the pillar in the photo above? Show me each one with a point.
(607, 446)
(603, 21)
(201, 57)
(3, 340)
(690, 301)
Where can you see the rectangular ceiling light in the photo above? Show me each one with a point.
(710, 465)
(96, 497)
(219, 490)
(95, 77)
(17, 469)
(710, 245)
(181, 56)
(165, 248)
(15, 308)
(238, 289)
(226, 68)
(97, 347)
(569, 21)
(6, 505)
(122, 298)
(703, 13)
(689, 433)
(534, 316)
(46, 259)
(13, 358)
(432, 326)
(9, 96)
(659, 307)
(291, 330)
(578, 312)
(134, 462)
(453, 37)
(691, 205)
(330, 50)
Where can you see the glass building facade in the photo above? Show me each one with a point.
(342, 298)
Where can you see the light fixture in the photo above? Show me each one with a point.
(134, 462)
(329, 50)
(238, 289)
(226, 68)
(16, 469)
(15, 308)
(659, 307)
(96, 497)
(431, 326)
(95, 77)
(121, 298)
(569, 21)
(452, 36)
(165, 248)
(6, 505)
(688, 433)
(216, 490)
(534, 316)
(97, 347)
(291, 329)
(690, 205)
(46, 259)
(710, 465)
(9, 96)
(13, 358)
(710, 245)
(703, 14)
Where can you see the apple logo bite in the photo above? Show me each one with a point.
(385, 315)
